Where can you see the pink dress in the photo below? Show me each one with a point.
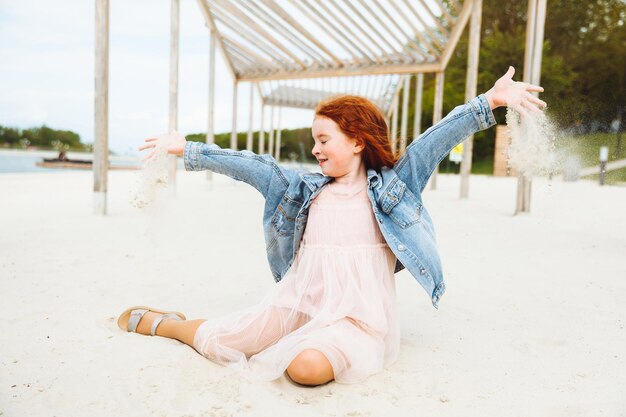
(338, 297)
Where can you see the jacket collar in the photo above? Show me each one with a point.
(315, 180)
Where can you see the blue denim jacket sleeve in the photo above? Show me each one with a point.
(257, 170)
(424, 154)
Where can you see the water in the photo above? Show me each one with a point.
(20, 161)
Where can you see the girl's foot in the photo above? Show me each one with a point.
(146, 321)
(143, 320)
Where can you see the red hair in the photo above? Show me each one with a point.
(360, 120)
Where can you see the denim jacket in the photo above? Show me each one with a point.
(395, 194)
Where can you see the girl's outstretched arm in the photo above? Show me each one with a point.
(256, 170)
(424, 154)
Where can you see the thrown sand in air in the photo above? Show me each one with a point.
(533, 143)
(153, 175)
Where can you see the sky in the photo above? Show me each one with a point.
(47, 71)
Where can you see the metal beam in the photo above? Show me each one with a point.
(441, 27)
(372, 70)
(353, 38)
(412, 53)
(294, 23)
(260, 31)
(457, 30)
(320, 20)
(259, 12)
(208, 20)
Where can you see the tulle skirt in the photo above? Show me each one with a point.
(338, 297)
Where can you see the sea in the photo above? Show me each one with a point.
(21, 161)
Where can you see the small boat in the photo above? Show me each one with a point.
(71, 164)
(64, 162)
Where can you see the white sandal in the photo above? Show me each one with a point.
(131, 317)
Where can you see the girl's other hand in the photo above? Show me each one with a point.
(175, 143)
(514, 94)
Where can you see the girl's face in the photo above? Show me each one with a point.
(337, 154)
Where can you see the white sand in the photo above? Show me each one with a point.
(532, 323)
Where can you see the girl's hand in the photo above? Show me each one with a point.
(514, 94)
(175, 143)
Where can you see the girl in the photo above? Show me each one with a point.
(334, 241)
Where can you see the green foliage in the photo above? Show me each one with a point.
(587, 147)
(41, 137)
(583, 68)
(293, 142)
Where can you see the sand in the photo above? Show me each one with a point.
(532, 323)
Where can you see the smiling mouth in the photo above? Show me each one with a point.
(322, 160)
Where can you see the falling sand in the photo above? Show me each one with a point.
(153, 175)
(533, 143)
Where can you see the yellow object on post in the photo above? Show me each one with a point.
(456, 154)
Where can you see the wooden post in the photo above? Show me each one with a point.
(101, 109)
(394, 124)
(470, 89)
(262, 131)
(437, 113)
(210, 136)
(278, 134)
(532, 74)
(249, 140)
(405, 112)
(173, 119)
(271, 138)
(501, 166)
(417, 117)
(233, 132)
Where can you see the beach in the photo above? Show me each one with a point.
(531, 324)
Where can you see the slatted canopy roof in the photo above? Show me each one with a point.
(307, 93)
(293, 39)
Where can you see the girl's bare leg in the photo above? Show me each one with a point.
(183, 331)
(310, 367)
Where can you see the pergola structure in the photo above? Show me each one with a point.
(297, 52)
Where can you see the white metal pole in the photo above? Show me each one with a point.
(405, 111)
(394, 125)
(417, 117)
(173, 117)
(101, 108)
(278, 134)
(262, 131)
(437, 113)
(249, 140)
(470, 89)
(271, 138)
(210, 136)
(233, 132)
(532, 74)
